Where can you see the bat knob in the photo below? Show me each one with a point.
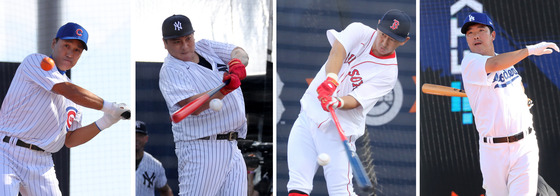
(126, 115)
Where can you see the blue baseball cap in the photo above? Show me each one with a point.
(396, 24)
(476, 18)
(73, 31)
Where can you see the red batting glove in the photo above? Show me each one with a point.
(233, 84)
(237, 68)
(335, 102)
(327, 88)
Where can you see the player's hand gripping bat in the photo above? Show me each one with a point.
(434, 89)
(359, 172)
(188, 109)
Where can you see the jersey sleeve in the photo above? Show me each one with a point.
(376, 87)
(174, 86)
(160, 176)
(473, 69)
(31, 66)
(350, 37)
(76, 121)
(222, 50)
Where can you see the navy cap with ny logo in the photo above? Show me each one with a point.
(176, 26)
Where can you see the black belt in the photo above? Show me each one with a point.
(23, 144)
(228, 136)
(509, 139)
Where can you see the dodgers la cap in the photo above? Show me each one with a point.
(176, 26)
(474, 18)
(396, 24)
(141, 127)
(73, 31)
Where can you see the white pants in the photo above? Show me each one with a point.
(211, 167)
(27, 171)
(305, 143)
(510, 168)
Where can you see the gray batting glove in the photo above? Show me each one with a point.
(542, 48)
(115, 109)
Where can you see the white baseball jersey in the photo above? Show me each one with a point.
(363, 75)
(182, 79)
(500, 109)
(497, 99)
(31, 112)
(35, 114)
(150, 175)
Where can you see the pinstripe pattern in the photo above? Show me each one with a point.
(363, 76)
(180, 80)
(150, 175)
(211, 167)
(206, 167)
(31, 112)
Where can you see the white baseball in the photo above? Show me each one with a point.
(216, 104)
(323, 159)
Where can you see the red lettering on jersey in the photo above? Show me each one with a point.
(395, 24)
(350, 58)
(355, 78)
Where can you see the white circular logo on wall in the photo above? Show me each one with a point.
(387, 108)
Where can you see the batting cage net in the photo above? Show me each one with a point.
(302, 50)
(102, 166)
(449, 158)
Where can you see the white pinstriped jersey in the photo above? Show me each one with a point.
(33, 113)
(363, 75)
(182, 79)
(150, 175)
(497, 99)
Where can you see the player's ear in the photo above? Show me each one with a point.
(402, 43)
(493, 35)
(378, 21)
(164, 43)
(53, 43)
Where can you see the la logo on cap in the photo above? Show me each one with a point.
(471, 18)
(178, 26)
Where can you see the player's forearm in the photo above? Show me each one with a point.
(349, 102)
(81, 135)
(78, 95)
(336, 58)
(239, 53)
(505, 60)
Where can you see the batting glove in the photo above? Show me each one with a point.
(115, 109)
(327, 88)
(106, 121)
(237, 68)
(233, 84)
(335, 102)
(542, 48)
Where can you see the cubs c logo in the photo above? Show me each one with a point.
(70, 116)
(79, 32)
(395, 24)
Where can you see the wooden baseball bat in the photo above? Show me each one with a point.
(188, 109)
(434, 89)
(358, 169)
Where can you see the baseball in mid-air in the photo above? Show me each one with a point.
(216, 104)
(47, 64)
(323, 159)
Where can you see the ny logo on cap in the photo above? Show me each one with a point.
(178, 26)
(471, 18)
(395, 24)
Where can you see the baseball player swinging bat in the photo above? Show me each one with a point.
(188, 109)
(434, 89)
(361, 176)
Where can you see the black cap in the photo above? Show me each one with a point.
(176, 26)
(396, 24)
(141, 127)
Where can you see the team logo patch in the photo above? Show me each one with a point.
(395, 25)
(149, 180)
(471, 18)
(70, 116)
(79, 32)
(178, 26)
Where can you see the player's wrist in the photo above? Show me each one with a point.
(333, 76)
